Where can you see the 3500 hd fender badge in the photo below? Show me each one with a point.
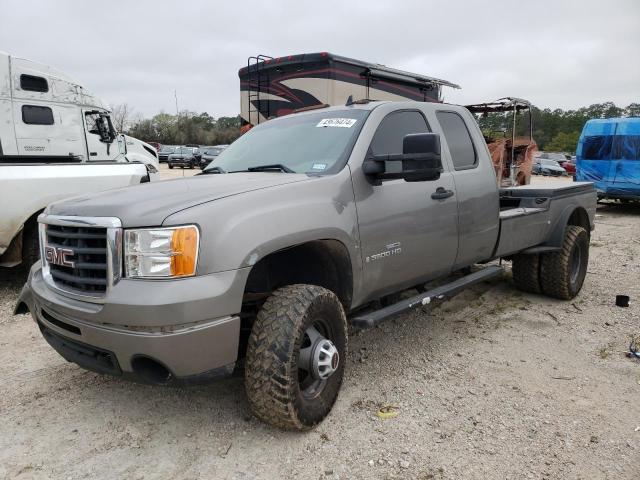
(391, 249)
(59, 256)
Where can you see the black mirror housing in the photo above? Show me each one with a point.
(420, 160)
(421, 157)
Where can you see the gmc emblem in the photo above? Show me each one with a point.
(58, 256)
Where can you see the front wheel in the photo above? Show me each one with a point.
(295, 357)
(170, 167)
(562, 273)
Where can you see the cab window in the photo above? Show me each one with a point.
(463, 153)
(392, 130)
(36, 115)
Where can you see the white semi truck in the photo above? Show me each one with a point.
(57, 140)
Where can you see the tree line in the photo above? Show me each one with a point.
(186, 128)
(554, 130)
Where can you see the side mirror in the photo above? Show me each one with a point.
(422, 160)
(419, 161)
(105, 129)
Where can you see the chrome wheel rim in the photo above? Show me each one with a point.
(318, 360)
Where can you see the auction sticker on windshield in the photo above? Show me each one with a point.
(337, 122)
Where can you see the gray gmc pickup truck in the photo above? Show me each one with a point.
(306, 224)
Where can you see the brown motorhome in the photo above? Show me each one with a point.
(272, 87)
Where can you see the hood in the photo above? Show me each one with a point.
(148, 204)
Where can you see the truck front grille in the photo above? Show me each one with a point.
(86, 269)
(81, 255)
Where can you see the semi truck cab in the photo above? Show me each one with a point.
(56, 140)
(46, 116)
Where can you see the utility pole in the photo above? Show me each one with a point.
(175, 94)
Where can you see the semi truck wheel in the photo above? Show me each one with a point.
(526, 272)
(295, 357)
(562, 273)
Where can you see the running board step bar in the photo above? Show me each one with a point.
(371, 319)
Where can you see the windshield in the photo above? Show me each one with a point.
(559, 157)
(183, 151)
(168, 149)
(308, 143)
(551, 163)
(213, 151)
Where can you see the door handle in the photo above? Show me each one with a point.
(441, 194)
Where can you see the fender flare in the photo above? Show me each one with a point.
(556, 235)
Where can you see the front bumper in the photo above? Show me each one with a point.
(188, 327)
(182, 161)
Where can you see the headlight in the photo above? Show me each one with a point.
(161, 252)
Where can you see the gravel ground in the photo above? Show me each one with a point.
(491, 384)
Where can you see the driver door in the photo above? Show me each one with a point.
(98, 149)
(407, 237)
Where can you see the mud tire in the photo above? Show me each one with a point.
(562, 273)
(526, 272)
(271, 372)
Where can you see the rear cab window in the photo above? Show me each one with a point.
(461, 147)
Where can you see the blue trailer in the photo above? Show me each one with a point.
(608, 155)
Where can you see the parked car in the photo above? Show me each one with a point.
(209, 154)
(197, 152)
(569, 165)
(608, 155)
(544, 166)
(165, 151)
(325, 212)
(184, 157)
(155, 145)
(558, 157)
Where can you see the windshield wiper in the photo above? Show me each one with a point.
(272, 166)
(211, 170)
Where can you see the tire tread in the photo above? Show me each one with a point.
(270, 388)
(526, 272)
(555, 266)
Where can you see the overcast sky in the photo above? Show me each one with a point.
(562, 54)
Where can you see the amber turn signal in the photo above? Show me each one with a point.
(184, 247)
